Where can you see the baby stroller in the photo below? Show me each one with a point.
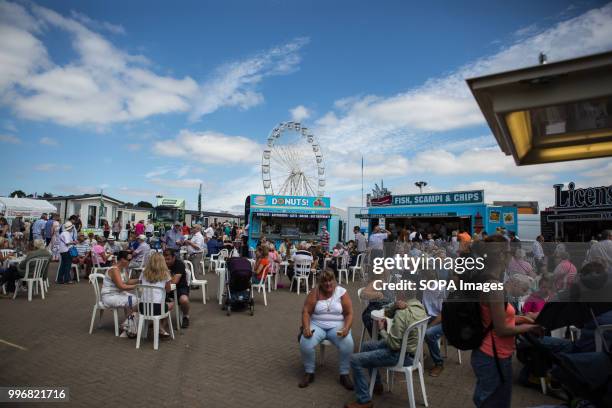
(238, 293)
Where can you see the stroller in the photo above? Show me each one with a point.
(238, 294)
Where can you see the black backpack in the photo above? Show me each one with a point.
(462, 323)
(461, 320)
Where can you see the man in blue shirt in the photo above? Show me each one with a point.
(38, 229)
(174, 237)
(213, 246)
(49, 228)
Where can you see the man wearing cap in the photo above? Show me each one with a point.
(173, 238)
(112, 247)
(196, 248)
(140, 254)
(83, 248)
(65, 243)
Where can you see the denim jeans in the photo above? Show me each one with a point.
(432, 335)
(373, 354)
(490, 391)
(64, 272)
(308, 345)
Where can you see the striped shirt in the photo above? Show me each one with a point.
(325, 240)
(82, 248)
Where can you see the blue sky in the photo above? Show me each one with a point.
(145, 98)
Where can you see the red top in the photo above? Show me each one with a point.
(504, 345)
(265, 262)
(139, 228)
(185, 230)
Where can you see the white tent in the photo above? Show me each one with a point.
(26, 207)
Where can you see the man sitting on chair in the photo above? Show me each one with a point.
(386, 352)
(15, 271)
(179, 278)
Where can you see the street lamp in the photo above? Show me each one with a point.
(420, 185)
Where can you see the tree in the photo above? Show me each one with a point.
(144, 204)
(47, 195)
(129, 204)
(18, 194)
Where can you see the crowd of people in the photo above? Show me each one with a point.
(533, 277)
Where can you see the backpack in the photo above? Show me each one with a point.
(462, 323)
(462, 320)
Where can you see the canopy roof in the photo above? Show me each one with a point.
(26, 207)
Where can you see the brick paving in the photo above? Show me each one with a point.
(220, 361)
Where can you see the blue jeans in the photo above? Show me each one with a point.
(308, 345)
(373, 354)
(490, 391)
(432, 335)
(64, 272)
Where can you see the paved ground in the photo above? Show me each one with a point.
(219, 361)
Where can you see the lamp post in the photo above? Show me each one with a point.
(420, 185)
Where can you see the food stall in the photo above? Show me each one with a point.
(278, 218)
(439, 213)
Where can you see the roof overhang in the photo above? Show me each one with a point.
(552, 112)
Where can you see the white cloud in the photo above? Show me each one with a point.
(404, 122)
(389, 167)
(105, 85)
(210, 147)
(234, 84)
(9, 139)
(48, 141)
(496, 191)
(97, 25)
(177, 183)
(299, 113)
(46, 167)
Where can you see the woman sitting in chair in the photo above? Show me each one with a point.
(262, 262)
(156, 273)
(115, 291)
(327, 314)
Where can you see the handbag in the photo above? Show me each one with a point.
(73, 252)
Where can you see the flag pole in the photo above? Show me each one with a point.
(361, 181)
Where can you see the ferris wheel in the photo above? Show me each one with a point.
(292, 162)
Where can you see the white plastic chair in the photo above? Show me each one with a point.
(322, 345)
(273, 275)
(358, 267)
(99, 306)
(443, 339)
(192, 280)
(261, 286)
(342, 269)
(76, 271)
(363, 328)
(145, 293)
(33, 278)
(417, 362)
(301, 270)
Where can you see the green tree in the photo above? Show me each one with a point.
(144, 204)
(18, 194)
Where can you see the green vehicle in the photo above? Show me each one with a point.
(168, 211)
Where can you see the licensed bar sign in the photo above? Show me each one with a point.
(447, 198)
(592, 197)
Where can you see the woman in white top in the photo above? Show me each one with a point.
(156, 273)
(115, 291)
(63, 244)
(327, 314)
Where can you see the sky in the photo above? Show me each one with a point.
(143, 98)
